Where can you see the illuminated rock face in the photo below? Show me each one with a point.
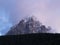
(28, 26)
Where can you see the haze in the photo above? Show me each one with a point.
(47, 12)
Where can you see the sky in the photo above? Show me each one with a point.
(12, 11)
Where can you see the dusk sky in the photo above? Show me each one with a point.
(12, 11)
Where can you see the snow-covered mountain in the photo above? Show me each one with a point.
(28, 25)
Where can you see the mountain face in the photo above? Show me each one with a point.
(28, 26)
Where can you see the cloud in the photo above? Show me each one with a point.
(0, 34)
(47, 11)
(5, 24)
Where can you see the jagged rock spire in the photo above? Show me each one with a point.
(28, 26)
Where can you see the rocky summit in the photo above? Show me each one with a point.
(28, 26)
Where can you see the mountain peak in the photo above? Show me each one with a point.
(27, 26)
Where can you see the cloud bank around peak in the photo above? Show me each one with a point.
(47, 11)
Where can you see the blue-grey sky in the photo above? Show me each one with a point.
(5, 10)
(47, 11)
